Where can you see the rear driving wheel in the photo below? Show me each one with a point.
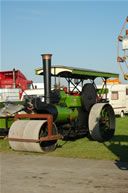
(102, 122)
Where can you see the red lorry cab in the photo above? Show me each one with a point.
(14, 79)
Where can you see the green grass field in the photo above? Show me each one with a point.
(116, 149)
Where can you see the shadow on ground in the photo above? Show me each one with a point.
(119, 146)
(121, 165)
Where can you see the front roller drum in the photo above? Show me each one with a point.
(101, 122)
(24, 130)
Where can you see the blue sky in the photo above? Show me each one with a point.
(77, 33)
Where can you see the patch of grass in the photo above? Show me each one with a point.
(4, 146)
(116, 149)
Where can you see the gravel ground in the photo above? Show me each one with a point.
(32, 174)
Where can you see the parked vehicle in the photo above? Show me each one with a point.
(12, 85)
(118, 97)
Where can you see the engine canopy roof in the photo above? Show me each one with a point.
(77, 73)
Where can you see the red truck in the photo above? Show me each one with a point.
(14, 80)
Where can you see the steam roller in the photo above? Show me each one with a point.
(63, 112)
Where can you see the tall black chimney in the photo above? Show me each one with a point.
(47, 76)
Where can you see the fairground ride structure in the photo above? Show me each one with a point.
(123, 59)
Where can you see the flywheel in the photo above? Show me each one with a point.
(88, 96)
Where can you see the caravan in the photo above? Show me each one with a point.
(117, 97)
